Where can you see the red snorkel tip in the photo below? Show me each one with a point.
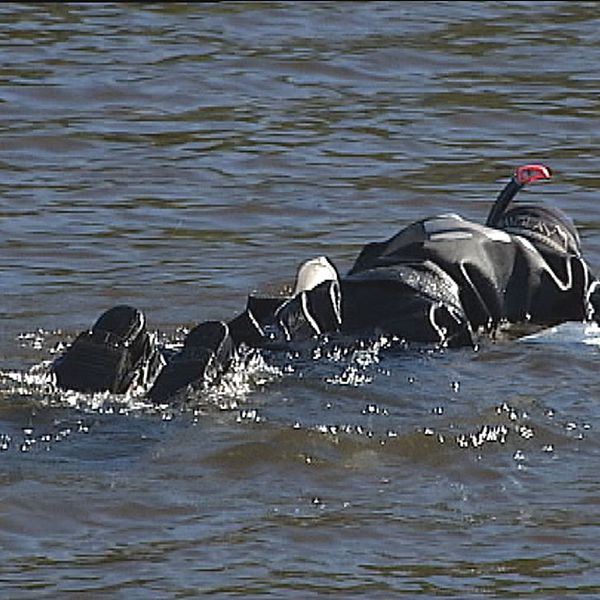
(530, 173)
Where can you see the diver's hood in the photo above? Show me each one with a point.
(547, 228)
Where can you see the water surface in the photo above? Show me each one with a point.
(176, 157)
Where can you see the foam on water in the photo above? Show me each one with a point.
(566, 334)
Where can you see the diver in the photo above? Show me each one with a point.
(441, 280)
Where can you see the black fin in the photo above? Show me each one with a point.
(207, 352)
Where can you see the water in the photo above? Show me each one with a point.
(176, 157)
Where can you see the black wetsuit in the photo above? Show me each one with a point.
(442, 280)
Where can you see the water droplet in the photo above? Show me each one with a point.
(525, 432)
(462, 441)
(26, 446)
(519, 456)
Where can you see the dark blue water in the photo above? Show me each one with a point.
(176, 157)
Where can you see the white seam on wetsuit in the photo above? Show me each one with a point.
(334, 301)
(475, 291)
(562, 286)
(441, 331)
(255, 322)
(286, 331)
(589, 307)
(309, 317)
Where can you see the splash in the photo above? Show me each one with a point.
(38, 386)
(38, 380)
(361, 357)
(248, 371)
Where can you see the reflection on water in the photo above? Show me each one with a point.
(177, 156)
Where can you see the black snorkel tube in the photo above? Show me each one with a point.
(521, 177)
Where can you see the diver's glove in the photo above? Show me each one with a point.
(116, 355)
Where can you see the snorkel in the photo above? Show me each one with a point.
(521, 177)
